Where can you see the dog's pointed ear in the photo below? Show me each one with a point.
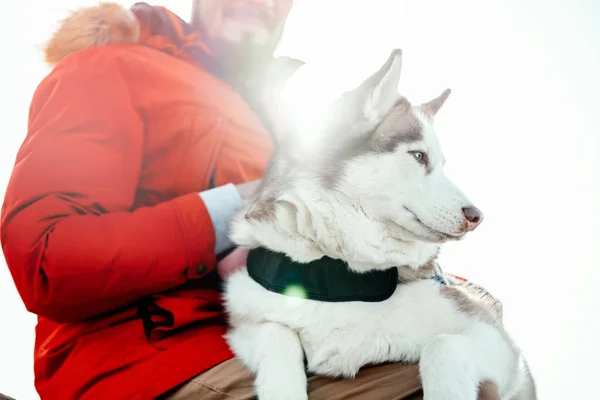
(433, 106)
(378, 93)
(260, 210)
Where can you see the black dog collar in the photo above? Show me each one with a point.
(325, 279)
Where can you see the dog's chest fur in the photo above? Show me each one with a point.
(338, 338)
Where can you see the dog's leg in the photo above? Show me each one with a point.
(453, 365)
(274, 353)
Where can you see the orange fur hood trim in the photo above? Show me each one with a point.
(106, 23)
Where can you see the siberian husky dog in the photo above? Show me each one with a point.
(372, 197)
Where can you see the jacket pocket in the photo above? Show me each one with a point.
(171, 312)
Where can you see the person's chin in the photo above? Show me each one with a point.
(245, 32)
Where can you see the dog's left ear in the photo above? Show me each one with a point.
(378, 93)
(433, 106)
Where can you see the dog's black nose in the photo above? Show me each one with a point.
(473, 216)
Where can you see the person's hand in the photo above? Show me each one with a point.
(233, 262)
(237, 258)
(247, 189)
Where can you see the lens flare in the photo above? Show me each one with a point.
(295, 291)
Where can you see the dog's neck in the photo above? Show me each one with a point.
(309, 224)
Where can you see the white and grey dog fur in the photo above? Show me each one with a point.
(374, 194)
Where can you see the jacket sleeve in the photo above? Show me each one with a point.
(73, 241)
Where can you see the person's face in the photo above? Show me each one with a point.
(256, 22)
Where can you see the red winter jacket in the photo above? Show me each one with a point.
(102, 226)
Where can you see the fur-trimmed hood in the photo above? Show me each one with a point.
(106, 23)
(111, 23)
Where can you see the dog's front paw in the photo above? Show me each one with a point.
(447, 372)
(281, 387)
(280, 394)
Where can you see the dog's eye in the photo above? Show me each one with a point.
(420, 156)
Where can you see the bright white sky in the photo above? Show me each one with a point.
(520, 134)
